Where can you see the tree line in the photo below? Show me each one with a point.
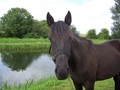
(19, 23)
(103, 34)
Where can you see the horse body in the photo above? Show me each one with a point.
(78, 57)
(93, 62)
(108, 59)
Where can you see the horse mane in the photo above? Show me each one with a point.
(82, 39)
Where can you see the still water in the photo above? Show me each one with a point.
(18, 68)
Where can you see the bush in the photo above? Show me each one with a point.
(91, 34)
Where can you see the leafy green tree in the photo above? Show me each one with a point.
(40, 29)
(0, 27)
(16, 23)
(91, 34)
(104, 34)
(74, 30)
(35, 33)
(116, 17)
(43, 29)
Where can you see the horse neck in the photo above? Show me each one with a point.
(79, 49)
(80, 45)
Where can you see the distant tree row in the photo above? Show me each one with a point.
(103, 34)
(19, 23)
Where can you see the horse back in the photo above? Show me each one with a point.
(116, 44)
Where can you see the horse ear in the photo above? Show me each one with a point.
(50, 19)
(68, 18)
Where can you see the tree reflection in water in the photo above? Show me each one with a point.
(20, 60)
(17, 68)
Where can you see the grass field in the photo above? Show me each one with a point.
(54, 84)
(15, 44)
(98, 41)
(45, 83)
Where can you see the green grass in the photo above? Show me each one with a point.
(24, 40)
(105, 85)
(43, 84)
(53, 84)
(15, 44)
(98, 41)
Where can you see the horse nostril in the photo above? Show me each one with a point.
(54, 60)
(56, 70)
(68, 70)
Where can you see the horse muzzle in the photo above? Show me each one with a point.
(62, 68)
(62, 74)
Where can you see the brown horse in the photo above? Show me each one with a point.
(78, 57)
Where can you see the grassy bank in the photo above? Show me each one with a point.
(54, 84)
(15, 44)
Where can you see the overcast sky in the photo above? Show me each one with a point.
(86, 14)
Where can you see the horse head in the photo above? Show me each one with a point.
(60, 38)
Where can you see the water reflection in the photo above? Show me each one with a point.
(19, 61)
(16, 68)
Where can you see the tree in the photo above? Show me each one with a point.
(104, 34)
(91, 34)
(44, 29)
(116, 17)
(16, 23)
(74, 30)
(40, 29)
(0, 27)
(35, 30)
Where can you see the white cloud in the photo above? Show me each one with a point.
(90, 14)
(95, 14)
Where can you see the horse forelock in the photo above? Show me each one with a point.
(61, 30)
